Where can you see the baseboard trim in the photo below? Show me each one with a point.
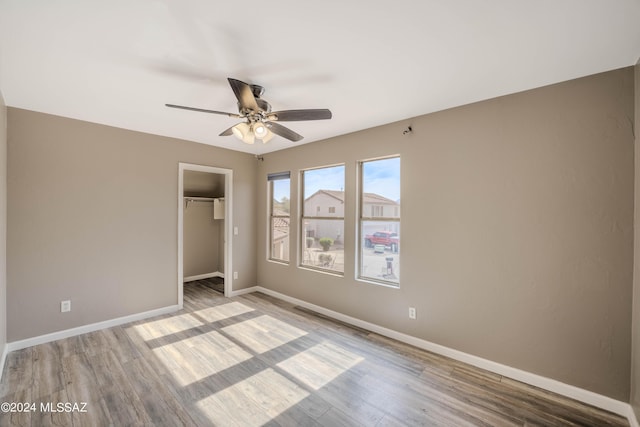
(631, 416)
(203, 276)
(603, 402)
(42, 339)
(3, 358)
(245, 291)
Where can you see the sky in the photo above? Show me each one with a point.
(381, 177)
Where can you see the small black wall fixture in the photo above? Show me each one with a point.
(407, 130)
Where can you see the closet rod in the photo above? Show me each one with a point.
(199, 199)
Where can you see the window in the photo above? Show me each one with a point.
(380, 221)
(322, 245)
(279, 215)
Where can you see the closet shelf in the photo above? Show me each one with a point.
(199, 199)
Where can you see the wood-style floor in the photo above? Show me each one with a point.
(215, 283)
(255, 361)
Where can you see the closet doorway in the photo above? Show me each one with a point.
(204, 226)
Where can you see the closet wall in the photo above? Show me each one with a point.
(203, 235)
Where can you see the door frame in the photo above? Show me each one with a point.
(228, 211)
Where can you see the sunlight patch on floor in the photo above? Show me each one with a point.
(196, 358)
(319, 365)
(223, 311)
(253, 401)
(163, 327)
(263, 333)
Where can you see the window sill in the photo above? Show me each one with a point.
(378, 283)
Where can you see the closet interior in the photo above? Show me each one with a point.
(203, 228)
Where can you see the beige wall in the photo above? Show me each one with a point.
(92, 217)
(202, 235)
(635, 359)
(3, 225)
(517, 230)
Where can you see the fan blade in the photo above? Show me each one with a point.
(284, 132)
(244, 94)
(203, 110)
(299, 115)
(227, 132)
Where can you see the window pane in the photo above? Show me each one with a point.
(281, 190)
(324, 192)
(279, 219)
(381, 187)
(380, 221)
(380, 251)
(322, 222)
(280, 239)
(323, 244)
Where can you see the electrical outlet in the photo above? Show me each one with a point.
(412, 313)
(235, 274)
(65, 306)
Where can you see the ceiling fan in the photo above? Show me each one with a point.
(260, 122)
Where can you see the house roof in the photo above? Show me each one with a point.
(371, 63)
(371, 198)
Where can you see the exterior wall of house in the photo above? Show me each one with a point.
(517, 230)
(318, 204)
(93, 217)
(380, 210)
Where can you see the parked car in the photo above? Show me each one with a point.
(388, 239)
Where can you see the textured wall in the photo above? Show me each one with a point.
(202, 236)
(3, 224)
(517, 230)
(635, 359)
(92, 217)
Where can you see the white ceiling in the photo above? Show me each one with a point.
(118, 62)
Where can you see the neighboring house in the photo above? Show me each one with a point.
(280, 237)
(376, 206)
(330, 203)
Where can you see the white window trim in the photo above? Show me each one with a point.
(360, 218)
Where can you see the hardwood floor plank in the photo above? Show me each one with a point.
(253, 360)
(118, 395)
(18, 418)
(46, 418)
(119, 342)
(47, 375)
(159, 403)
(82, 388)
(337, 418)
(18, 371)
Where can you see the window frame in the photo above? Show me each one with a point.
(302, 240)
(362, 217)
(271, 178)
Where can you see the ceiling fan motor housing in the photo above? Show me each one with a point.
(263, 105)
(257, 90)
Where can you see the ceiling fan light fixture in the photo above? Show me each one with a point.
(259, 130)
(243, 132)
(268, 137)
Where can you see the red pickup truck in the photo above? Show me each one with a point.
(386, 238)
